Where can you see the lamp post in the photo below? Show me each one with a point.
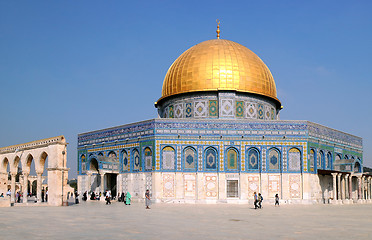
(63, 176)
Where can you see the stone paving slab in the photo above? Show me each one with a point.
(95, 220)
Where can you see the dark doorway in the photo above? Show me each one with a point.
(111, 183)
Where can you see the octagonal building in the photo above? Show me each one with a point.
(219, 138)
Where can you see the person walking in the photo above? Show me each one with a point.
(147, 199)
(108, 197)
(255, 200)
(276, 199)
(260, 199)
(127, 198)
(76, 198)
(85, 196)
(122, 197)
(42, 194)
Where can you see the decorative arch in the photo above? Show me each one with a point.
(83, 160)
(125, 160)
(136, 160)
(294, 159)
(211, 159)
(320, 160)
(312, 156)
(329, 160)
(253, 158)
(338, 158)
(41, 163)
(4, 165)
(189, 158)
(26, 167)
(112, 155)
(14, 165)
(232, 158)
(93, 165)
(147, 153)
(168, 158)
(357, 167)
(274, 159)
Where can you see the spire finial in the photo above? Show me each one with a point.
(218, 28)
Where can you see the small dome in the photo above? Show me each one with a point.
(219, 64)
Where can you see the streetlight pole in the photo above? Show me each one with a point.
(63, 175)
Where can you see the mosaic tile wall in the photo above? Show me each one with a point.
(159, 145)
(219, 105)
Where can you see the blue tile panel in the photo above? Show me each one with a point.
(205, 145)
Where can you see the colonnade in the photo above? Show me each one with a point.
(52, 151)
(343, 187)
(23, 180)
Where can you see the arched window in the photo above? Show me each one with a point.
(357, 168)
(211, 159)
(148, 158)
(125, 159)
(83, 163)
(320, 160)
(232, 159)
(346, 156)
(274, 158)
(136, 160)
(253, 159)
(168, 158)
(189, 158)
(93, 166)
(311, 160)
(112, 154)
(294, 159)
(329, 160)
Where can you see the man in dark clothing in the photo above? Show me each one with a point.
(42, 195)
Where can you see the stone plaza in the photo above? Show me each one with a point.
(95, 220)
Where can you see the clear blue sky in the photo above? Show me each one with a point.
(68, 67)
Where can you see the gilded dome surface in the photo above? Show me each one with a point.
(219, 64)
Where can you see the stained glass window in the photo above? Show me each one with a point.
(232, 159)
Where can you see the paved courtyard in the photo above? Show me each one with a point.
(95, 220)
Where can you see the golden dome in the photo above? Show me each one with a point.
(219, 64)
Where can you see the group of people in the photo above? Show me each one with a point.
(123, 197)
(258, 200)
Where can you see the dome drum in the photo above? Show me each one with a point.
(218, 104)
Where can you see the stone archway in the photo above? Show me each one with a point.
(49, 154)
